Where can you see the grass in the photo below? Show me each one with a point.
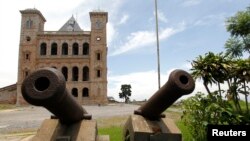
(114, 132)
(186, 136)
(7, 106)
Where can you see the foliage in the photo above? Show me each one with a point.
(239, 26)
(201, 110)
(220, 68)
(185, 132)
(229, 67)
(125, 92)
(234, 47)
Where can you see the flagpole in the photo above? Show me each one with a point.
(157, 41)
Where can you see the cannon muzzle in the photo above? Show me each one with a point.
(180, 83)
(47, 87)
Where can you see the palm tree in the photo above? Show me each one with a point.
(234, 47)
(243, 73)
(201, 69)
(239, 26)
(219, 65)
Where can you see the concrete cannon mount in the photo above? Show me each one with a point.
(138, 128)
(53, 130)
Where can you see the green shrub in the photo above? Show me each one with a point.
(201, 110)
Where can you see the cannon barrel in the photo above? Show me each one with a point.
(47, 87)
(180, 83)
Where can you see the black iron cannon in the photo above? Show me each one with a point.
(148, 123)
(47, 87)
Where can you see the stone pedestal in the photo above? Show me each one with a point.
(53, 130)
(138, 128)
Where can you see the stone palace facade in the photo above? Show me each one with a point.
(80, 55)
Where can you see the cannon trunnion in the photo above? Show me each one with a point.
(148, 123)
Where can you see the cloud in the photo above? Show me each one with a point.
(145, 38)
(124, 19)
(211, 20)
(188, 3)
(145, 84)
(161, 17)
(142, 87)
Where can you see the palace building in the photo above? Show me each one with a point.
(80, 55)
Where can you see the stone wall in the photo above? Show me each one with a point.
(8, 94)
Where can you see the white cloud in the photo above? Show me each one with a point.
(145, 38)
(161, 17)
(124, 19)
(111, 32)
(211, 20)
(145, 84)
(188, 3)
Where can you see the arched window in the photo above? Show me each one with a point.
(74, 92)
(85, 73)
(29, 24)
(85, 49)
(54, 49)
(43, 49)
(85, 92)
(74, 74)
(65, 49)
(75, 49)
(65, 72)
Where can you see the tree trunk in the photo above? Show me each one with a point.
(208, 91)
(245, 90)
(219, 91)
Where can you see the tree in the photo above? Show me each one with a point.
(234, 47)
(125, 92)
(239, 26)
(201, 68)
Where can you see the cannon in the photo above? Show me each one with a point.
(148, 122)
(70, 121)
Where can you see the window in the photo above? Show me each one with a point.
(85, 92)
(75, 74)
(85, 73)
(54, 49)
(65, 73)
(26, 73)
(98, 56)
(27, 56)
(29, 24)
(74, 92)
(65, 49)
(85, 50)
(98, 73)
(28, 38)
(75, 49)
(43, 49)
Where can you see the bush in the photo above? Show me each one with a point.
(201, 110)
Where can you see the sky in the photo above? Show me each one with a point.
(187, 29)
